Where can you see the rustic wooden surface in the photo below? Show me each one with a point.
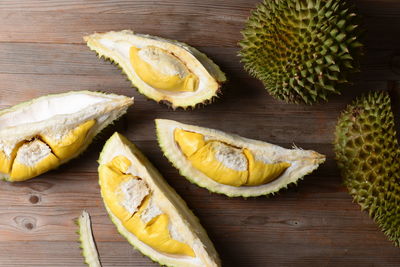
(313, 224)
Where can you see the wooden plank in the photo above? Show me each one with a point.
(203, 26)
(120, 6)
(28, 26)
(376, 7)
(312, 224)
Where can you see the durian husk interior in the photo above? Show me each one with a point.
(42, 134)
(172, 235)
(230, 164)
(164, 70)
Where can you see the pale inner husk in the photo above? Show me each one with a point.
(43, 109)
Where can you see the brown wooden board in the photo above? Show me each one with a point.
(312, 224)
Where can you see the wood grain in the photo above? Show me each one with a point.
(312, 224)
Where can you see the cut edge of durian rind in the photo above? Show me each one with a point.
(164, 128)
(179, 204)
(86, 239)
(212, 68)
(115, 113)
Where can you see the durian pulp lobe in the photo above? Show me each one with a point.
(203, 155)
(262, 173)
(162, 70)
(33, 158)
(7, 161)
(69, 144)
(155, 232)
(57, 150)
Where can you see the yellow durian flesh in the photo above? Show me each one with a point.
(33, 158)
(205, 160)
(243, 169)
(155, 232)
(162, 70)
(65, 123)
(21, 164)
(262, 173)
(70, 143)
(189, 142)
(6, 161)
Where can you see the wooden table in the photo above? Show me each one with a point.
(312, 224)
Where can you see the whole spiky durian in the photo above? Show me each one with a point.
(368, 155)
(301, 49)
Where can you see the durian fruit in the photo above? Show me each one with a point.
(232, 165)
(368, 155)
(164, 70)
(41, 134)
(88, 245)
(147, 211)
(302, 51)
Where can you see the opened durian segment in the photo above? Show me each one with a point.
(130, 200)
(43, 133)
(258, 154)
(183, 226)
(161, 69)
(224, 163)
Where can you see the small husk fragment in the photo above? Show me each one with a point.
(88, 245)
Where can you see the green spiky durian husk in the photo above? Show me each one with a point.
(302, 50)
(367, 153)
